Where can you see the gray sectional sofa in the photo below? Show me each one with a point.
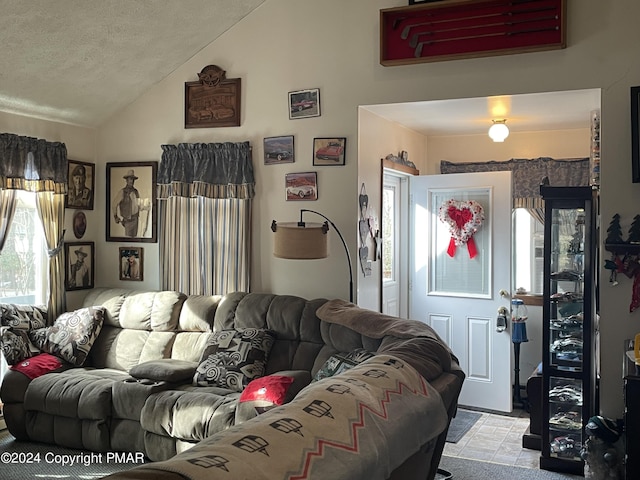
(145, 387)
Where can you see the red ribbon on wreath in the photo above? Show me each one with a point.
(464, 219)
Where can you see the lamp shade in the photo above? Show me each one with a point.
(498, 131)
(296, 242)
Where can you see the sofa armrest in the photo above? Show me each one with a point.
(165, 370)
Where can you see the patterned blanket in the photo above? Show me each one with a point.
(361, 424)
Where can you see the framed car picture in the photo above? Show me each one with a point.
(301, 186)
(329, 151)
(304, 103)
(278, 150)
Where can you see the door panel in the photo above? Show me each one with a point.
(456, 292)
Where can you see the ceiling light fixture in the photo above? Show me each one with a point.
(499, 130)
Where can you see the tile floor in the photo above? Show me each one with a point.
(498, 439)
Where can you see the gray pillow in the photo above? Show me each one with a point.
(166, 369)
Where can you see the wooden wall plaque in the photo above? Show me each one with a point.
(453, 29)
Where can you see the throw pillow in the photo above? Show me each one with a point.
(73, 333)
(232, 358)
(23, 317)
(271, 389)
(341, 362)
(15, 345)
(165, 369)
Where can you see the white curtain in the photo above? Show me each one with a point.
(205, 193)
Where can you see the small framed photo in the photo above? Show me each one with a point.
(81, 185)
(301, 186)
(278, 150)
(304, 103)
(79, 258)
(79, 224)
(131, 263)
(131, 202)
(329, 151)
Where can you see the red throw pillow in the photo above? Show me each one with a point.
(39, 365)
(271, 389)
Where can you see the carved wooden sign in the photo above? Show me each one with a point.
(212, 101)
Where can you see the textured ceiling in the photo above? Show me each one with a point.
(80, 61)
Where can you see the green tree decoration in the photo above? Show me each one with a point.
(634, 230)
(615, 232)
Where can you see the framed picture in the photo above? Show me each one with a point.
(213, 100)
(81, 185)
(79, 258)
(131, 263)
(304, 103)
(301, 186)
(131, 202)
(635, 134)
(79, 224)
(278, 150)
(329, 151)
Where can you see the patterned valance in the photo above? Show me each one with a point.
(527, 175)
(32, 164)
(212, 170)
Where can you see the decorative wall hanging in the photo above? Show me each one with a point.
(79, 224)
(329, 151)
(625, 256)
(301, 186)
(304, 103)
(453, 29)
(81, 185)
(79, 265)
(212, 101)
(364, 230)
(464, 219)
(278, 150)
(131, 202)
(131, 263)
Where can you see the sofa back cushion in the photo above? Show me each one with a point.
(298, 338)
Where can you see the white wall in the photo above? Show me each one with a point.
(333, 45)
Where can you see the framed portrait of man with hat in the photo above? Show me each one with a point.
(131, 202)
(79, 261)
(81, 185)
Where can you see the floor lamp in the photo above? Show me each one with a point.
(307, 241)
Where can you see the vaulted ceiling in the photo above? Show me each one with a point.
(80, 61)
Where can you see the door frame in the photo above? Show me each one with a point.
(403, 172)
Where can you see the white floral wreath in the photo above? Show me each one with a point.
(464, 219)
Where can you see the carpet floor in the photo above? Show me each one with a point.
(34, 461)
(464, 469)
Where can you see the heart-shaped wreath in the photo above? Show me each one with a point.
(464, 220)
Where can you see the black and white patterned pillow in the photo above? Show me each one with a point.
(15, 345)
(23, 317)
(72, 335)
(341, 362)
(232, 358)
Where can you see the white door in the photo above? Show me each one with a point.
(460, 296)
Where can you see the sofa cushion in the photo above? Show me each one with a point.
(232, 358)
(15, 345)
(73, 333)
(341, 362)
(165, 369)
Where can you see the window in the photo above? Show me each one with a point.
(24, 265)
(528, 252)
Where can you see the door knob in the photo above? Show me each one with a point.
(501, 322)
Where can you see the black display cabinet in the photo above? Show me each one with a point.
(570, 367)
